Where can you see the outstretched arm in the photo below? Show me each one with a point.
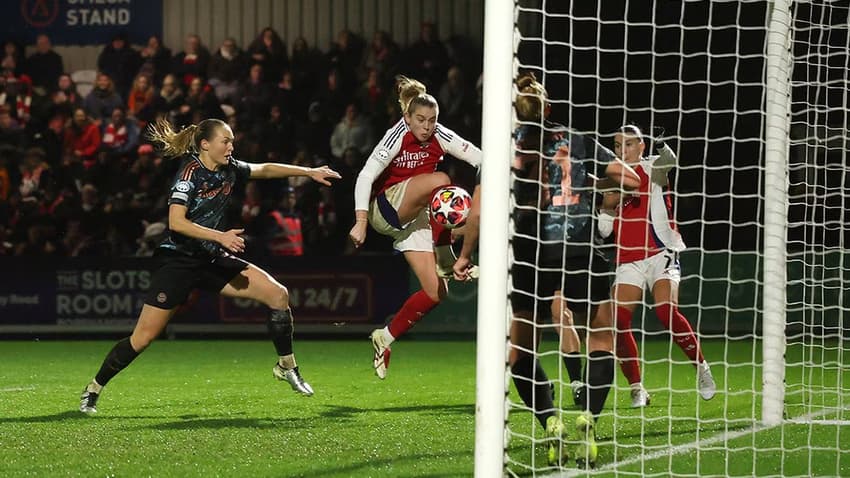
(276, 170)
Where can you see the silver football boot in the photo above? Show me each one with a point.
(293, 376)
(88, 401)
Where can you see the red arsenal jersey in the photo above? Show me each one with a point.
(645, 225)
(399, 156)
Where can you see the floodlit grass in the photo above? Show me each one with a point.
(661, 440)
(212, 408)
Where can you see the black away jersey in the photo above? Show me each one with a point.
(206, 195)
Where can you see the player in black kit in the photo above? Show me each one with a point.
(198, 252)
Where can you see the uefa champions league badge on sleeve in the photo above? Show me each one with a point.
(183, 186)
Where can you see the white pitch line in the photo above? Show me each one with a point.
(679, 449)
(799, 421)
(17, 389)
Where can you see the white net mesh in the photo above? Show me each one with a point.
(817, 389)
(697, 69)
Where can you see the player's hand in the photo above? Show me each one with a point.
(461, 269)
(231, 240)
(358, 233)
(658, 137)
(322, 174)
(459, 232)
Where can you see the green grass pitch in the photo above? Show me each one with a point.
(212, 408)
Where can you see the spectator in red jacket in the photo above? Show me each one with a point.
(82, 140)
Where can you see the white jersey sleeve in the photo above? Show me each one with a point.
(659, 212)
(458, 147)
(381, 156)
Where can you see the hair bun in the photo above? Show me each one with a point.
(525, 79)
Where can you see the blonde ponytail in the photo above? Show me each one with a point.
(173, 143)
(188, 140)
(408, 89)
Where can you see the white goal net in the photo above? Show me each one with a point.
(752, 99)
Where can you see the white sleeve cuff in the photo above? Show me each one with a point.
(605, 224)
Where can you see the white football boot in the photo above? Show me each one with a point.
(381, 359)
(705, 381)
(640, 397)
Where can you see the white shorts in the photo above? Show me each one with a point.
(646, 272)
(383, 216)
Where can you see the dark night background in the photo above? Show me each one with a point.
(696, 69)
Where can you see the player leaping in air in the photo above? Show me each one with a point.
(392, 192)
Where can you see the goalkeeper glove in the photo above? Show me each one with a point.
(658, 137)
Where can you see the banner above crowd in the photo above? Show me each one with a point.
(77, 293)
(82, 22)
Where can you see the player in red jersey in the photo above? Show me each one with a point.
(392, 192)
(648, 246)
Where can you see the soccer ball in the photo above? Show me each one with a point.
(450, 206)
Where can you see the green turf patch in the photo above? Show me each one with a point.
(212, 408)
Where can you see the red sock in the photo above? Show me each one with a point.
(416, 306)
(627, 351)
(439, 234)
(683, 334)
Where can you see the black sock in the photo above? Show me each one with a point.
(572, 361)
(281, 328)
(532, 384)
(600, 376)
(116, 360)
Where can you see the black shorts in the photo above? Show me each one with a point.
(583, 281)
(177, 274)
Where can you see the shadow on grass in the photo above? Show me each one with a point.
(343, 412)
(70, 415)
(234, 422)
(191, 422)
(194, 421)
(390, 465)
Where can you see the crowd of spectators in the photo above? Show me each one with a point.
(77, 177)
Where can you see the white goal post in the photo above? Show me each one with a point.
(493, 309)
(777, 105)
(760, 194)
